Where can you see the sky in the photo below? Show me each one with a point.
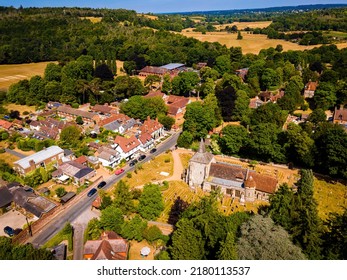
(164, 6)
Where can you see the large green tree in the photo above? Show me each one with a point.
(112, 219)
(233, 138)
(150, 202)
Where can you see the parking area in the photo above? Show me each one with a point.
(14, 219)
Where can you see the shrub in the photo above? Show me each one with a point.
(129, 175)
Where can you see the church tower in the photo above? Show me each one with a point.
(199, 167)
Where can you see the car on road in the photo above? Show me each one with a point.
(133, 162)
(142, 157)
(101, 184)
(153, 150)
(92, 192)
(9, 231)
(119, 171)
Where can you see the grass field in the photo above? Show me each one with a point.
(135, 250)
(152, 17)
(93, 19)
(8, 158)
(12, 73)
(243, 25)
(20, 108)
(251, 43)
(330, 197)
(150, 171)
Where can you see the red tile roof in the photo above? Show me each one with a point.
(75, 112)
(5, 124)
(150, 126)
(127, 144)
(81, 159)
(145, 137)
(113, 118)
(311, 86)
(340, 115)
(154, 94)
(103, 109)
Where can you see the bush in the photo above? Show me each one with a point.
(129, 175)
(167, 160)
(60, 192)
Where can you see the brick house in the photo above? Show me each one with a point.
(39, 159)
(127, 147)
(71, 114)
(152, 127)
(310, 89)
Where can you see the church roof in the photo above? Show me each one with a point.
(202, 156)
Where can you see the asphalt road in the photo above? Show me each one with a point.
(15, 153)
(80, 204)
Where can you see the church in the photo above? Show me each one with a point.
(205, 173)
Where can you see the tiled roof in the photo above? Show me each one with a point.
(145, 137)
(127, 144)
(340, 115)
(261, 182)
(5, 124)
(202, 156)
(311, 86)
(115, 117)
(102, 109)
(154, 94)
(76, 112)
(81, 159)
(150, 126)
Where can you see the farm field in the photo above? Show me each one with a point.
(93, 19)
(251, 43)
(12, 73)
(243, 25)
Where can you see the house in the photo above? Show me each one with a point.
(340, 116)
(71, 114)
(127, 147)
(6, 197)
(177, 106)
(157, 93)
(53, 154)
(68, 155)
(117, 123)
(153, 70)
(152, 127)
(53, 105)
(79, 173)
(110, 246)
(108, 156)
(255, 102)
(232, 180)
(104, 109)
(268, 96)
(29, 201)
(147, 142)
(242, 73)
(5, 124)
(82, 160)
(310, 89)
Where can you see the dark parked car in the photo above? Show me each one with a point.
(92, 192)
(9, 231)
(101, 184)
(133, 162)
(142, 157)
(153, 150)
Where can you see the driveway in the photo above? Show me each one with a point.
(15, 153)
(14, 219)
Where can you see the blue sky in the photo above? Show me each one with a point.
(157, 6)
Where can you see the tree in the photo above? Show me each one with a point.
(241, 110)
(185, 139)
(152, 233)
(211, 103)
(166, 121)
(134, 228)
(281, 206)
(79, 120)
(228, 250)
(239, 36)
(317, 116)
(269, 79)
(184, 83)
(150, 202)
(178, 207)
(106, 199)
(233, 139)
(60, 192)
(261, 239)
(53, 72)
(268, 113)
(187, 242)
(70, 136)
(325, 96)
(199, 120)
(223, 64)
(209, 73)
(150, 80)
(167, 86)
(335, 238)
(306, 225)
(300, 145)
(103, 72)
(112, 219)
(93, 230)
(123, 197)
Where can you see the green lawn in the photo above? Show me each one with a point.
(330, 197)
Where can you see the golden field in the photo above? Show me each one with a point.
(12, 73)
(243, 25)
(251, 43)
